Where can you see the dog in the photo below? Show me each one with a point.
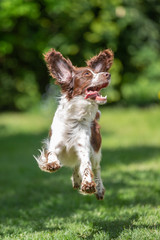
(74, 138)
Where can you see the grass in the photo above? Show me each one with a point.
(37, 205)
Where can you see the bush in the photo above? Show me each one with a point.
(79, 29)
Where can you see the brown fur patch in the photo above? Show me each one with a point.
(95, 136)
(97, 115)
(81, 79)
(50, 133)
(105, 58)
(53, 58)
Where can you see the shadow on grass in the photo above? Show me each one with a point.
(128, 155)
(29, 196)
(115, 228)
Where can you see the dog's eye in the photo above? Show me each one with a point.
(87, 73)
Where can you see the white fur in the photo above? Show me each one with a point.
(96, 77)
(71, 130)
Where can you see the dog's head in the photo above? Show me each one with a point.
(86, 81)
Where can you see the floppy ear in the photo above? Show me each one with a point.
(102, 62)
(59, 67)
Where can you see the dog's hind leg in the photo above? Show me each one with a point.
(100, 190)
(88, 185)
(96, 157)
(76, 178)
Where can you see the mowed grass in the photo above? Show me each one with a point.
(38, 205)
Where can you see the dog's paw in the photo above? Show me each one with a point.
(46, 162)
(100, 195)
(88, 187)
(50, 167)
(76, 185)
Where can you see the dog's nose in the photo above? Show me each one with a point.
(108, 75)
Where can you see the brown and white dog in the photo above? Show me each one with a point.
(75, 139)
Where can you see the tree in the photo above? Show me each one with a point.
(79, 29)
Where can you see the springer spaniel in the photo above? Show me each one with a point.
(75, 139)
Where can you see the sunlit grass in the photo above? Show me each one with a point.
(37, 205)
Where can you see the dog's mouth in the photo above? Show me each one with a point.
(93, 93)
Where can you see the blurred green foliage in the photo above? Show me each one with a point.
(79, 29)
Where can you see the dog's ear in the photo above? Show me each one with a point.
(59, 67)
(102, 62)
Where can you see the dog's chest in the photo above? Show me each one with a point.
(72, 126)
(74, 116)
(78, 109)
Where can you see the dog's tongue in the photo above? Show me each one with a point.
(91, 94)
(95, 95)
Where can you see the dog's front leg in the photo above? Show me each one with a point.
(88, 185)
(54, 150)
(48, 160)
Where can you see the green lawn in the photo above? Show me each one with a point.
(38, 205)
